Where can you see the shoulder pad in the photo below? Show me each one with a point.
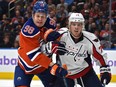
(89, 35)
(29, 29)
(50, 23)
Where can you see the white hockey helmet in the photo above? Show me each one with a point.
(76, 17)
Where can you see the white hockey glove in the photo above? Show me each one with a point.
(105, 74)
(54, 47)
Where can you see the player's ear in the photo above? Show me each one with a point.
(32, 15)
(69, 27)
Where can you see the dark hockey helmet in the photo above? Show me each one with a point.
(40, 6)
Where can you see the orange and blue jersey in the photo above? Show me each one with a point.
(31, 59)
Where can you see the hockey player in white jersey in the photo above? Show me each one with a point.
(81, 45)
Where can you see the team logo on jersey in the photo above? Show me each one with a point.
(42, 4)
(19, 78)
(77, 55)
(77, 52)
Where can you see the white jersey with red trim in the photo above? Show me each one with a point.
(78, 57)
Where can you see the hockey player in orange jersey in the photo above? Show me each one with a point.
(31, 61)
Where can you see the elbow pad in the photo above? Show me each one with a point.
(51, 35)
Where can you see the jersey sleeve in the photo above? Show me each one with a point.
(52, 35)
(97, 52)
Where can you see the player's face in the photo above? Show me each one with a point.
(39, 19)
(76, 29)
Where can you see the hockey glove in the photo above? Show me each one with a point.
(105, 74)
(58, 71)
(55, 47)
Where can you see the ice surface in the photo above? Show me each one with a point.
(35, 83)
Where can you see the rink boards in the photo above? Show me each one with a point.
(8, 61)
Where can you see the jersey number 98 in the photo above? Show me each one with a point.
(29, 29)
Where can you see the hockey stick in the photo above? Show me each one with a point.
(54, 60)
(104, 83)
(76, 83)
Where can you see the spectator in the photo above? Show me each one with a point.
(50, 8)
(61, 11)
(52, 14)
(92, 3)
(4, 17)
(93, 27)
(80, 5)
(3, 8)
(16, 17)
(7, 25)
(88, 24)
(74, 3)
(113, 17)
(15, 44)
(62, 2)
(6, 42)
(97, 33)
(85, 9)
(102, 23)
(73, 8)
(94, 12)
(113, 4)
(27, 13)
(105, 6)
(50, 3)
(113, 35)
(105, 33)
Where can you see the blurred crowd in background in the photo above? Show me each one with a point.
(96, 14)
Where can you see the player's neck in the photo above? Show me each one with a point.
(76, 39)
